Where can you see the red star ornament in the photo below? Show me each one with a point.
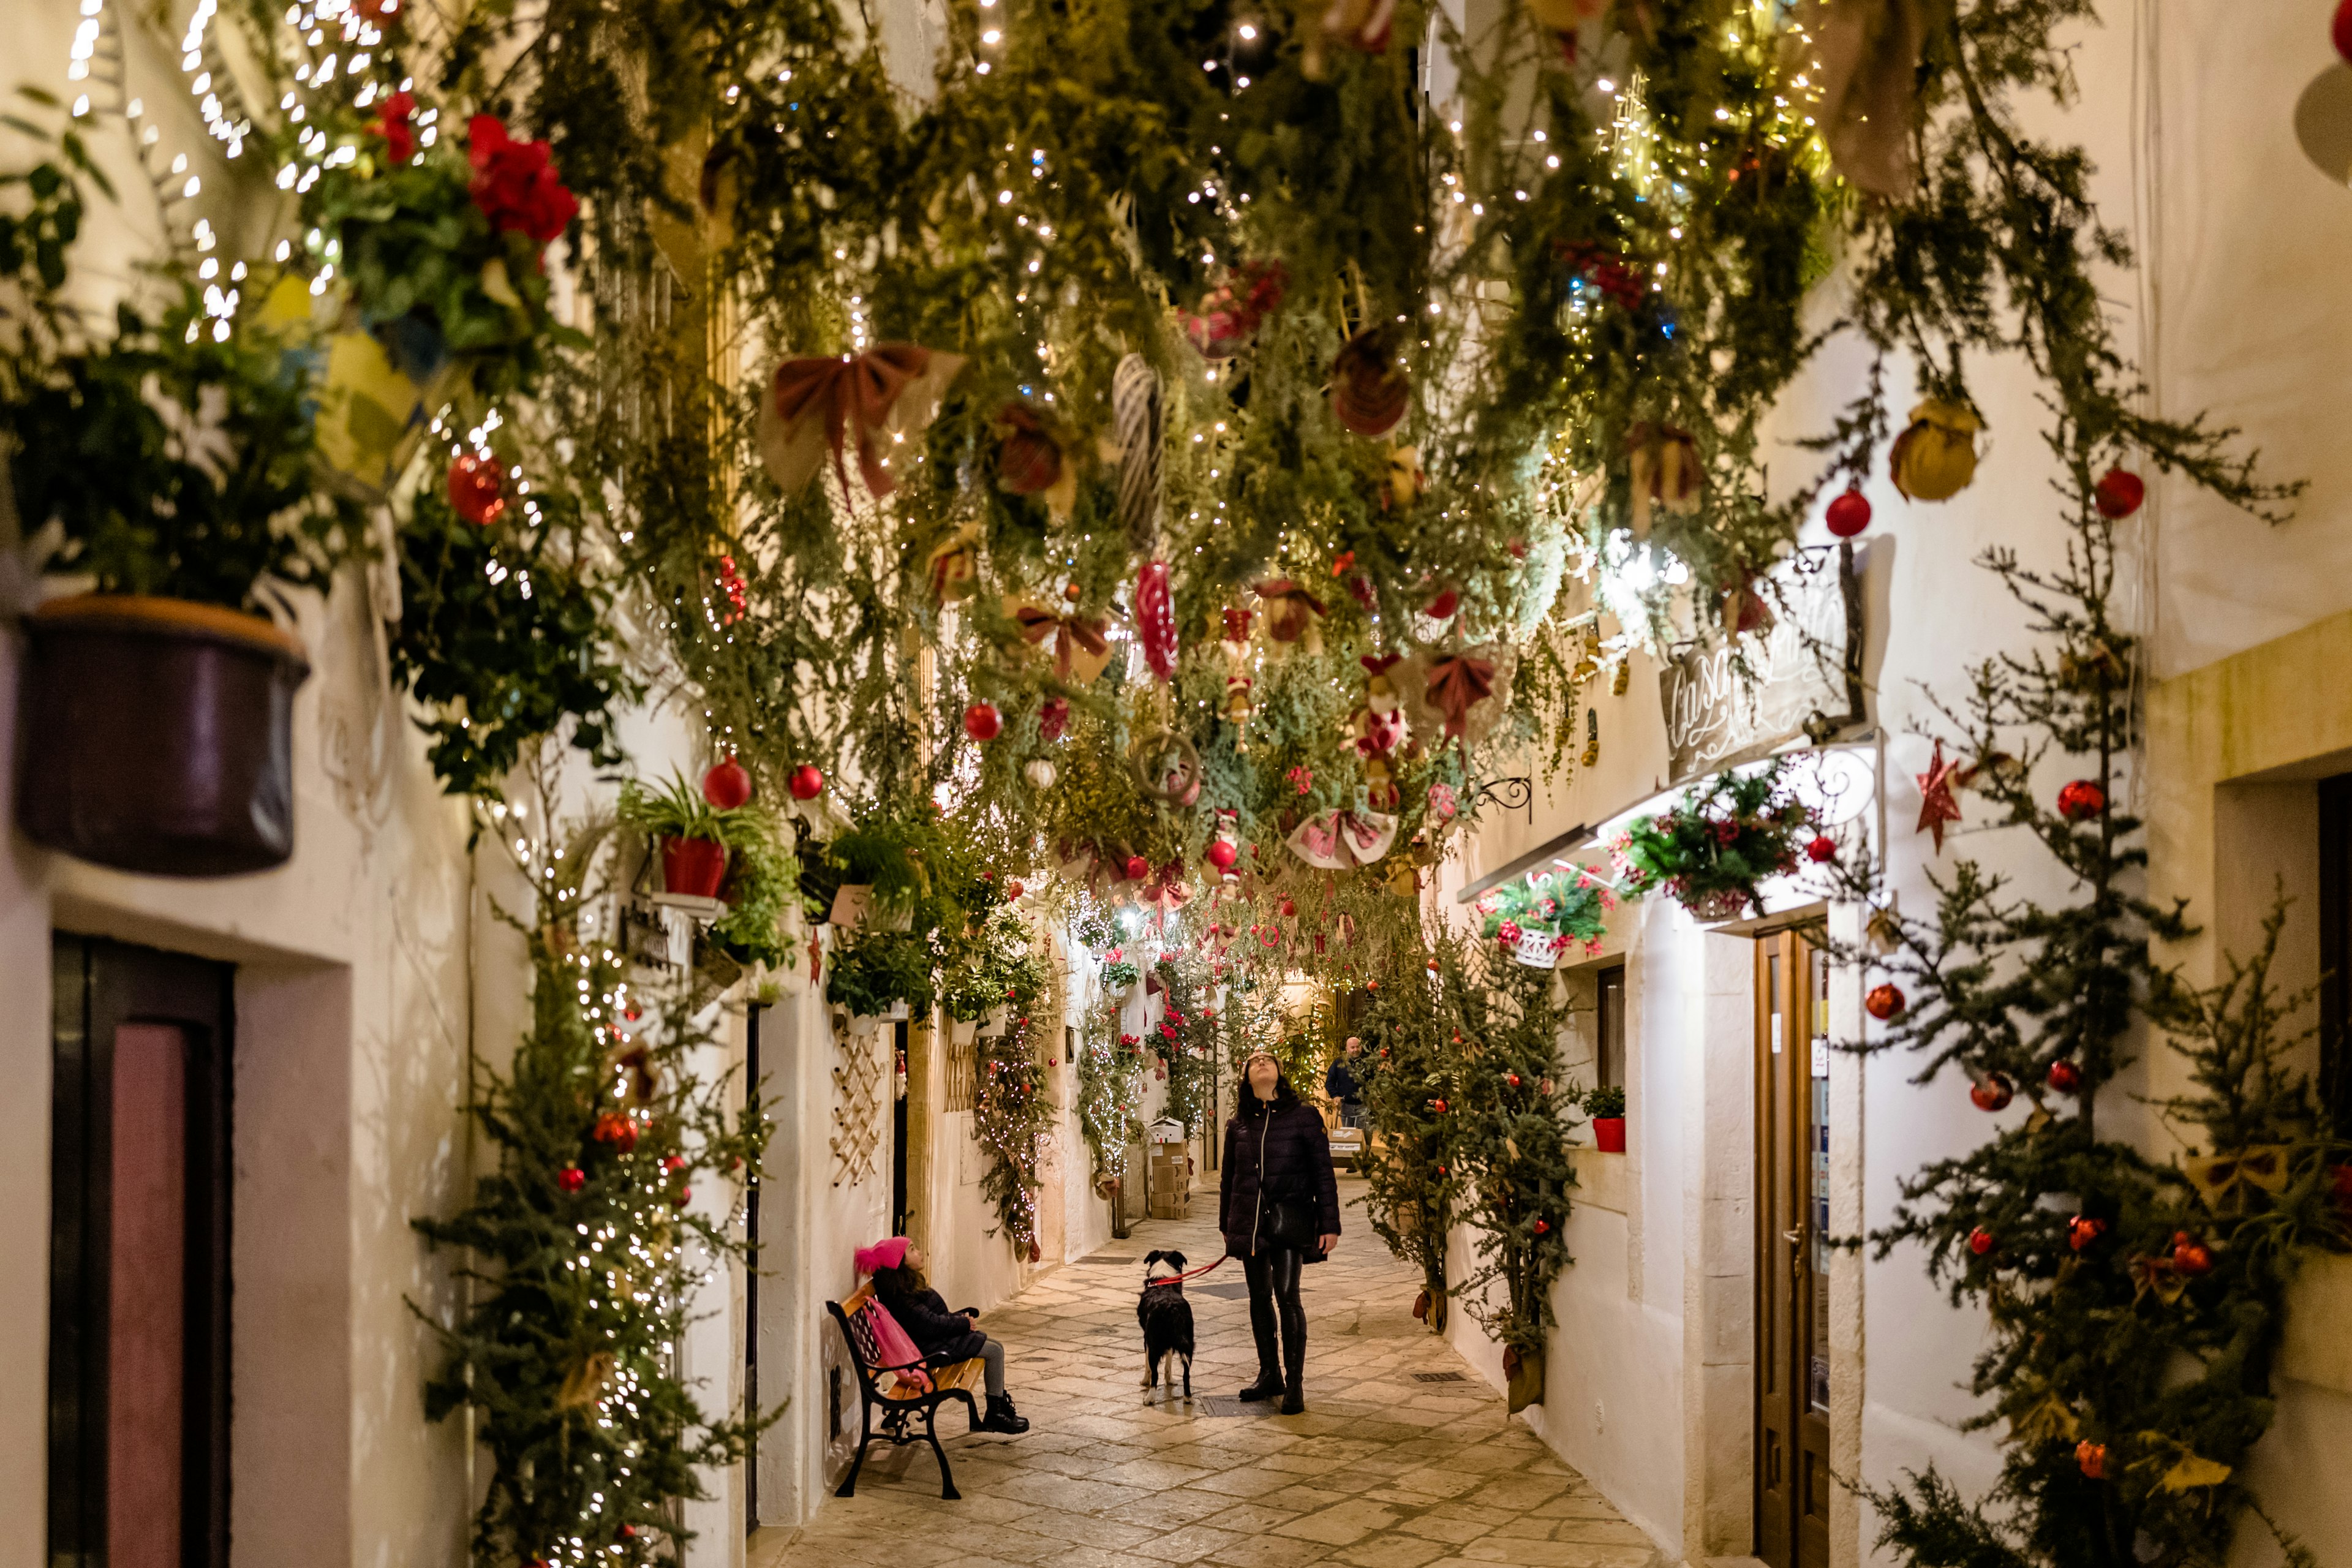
(1936, 805)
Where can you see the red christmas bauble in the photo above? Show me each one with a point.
(1980, 1241)
(2065, 1075)
(1511, 1079)
(1137, 867)
(2341, 30)
(1543, 1226)
(673, 1162)
(616, 1130)
(2119, 490)
(1994, 1094)
(807, 782)
(2082, 1230)
(2082, 800)
(1438, 1105)
(2092, 1459)
(1883, 1001)
(1223, 853)
(1034, 1253)
(982, 721)
(2191, 1257)
(1013, 891)
(727, 785)
(683, 1193)
(571, 1178)
(476, 489)
(1289, 908)
(1849, 515)
(1823, 848)
(1441, 608)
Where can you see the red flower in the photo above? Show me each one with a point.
(514, 184)
(391, 124)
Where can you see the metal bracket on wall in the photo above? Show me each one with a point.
(1511, 795)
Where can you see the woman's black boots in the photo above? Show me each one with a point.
(1294, 1357)
(1003, 1417)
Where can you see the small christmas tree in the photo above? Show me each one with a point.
(2134, 1304)
(1510, 1141)
(1408, 1069)
(587, 1253)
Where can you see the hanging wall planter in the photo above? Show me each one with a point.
(696, 868)
(156, 735)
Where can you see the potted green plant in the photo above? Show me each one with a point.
(688, 831)
(1711, 849)
(162, 469)
(1536, 917)
(1606, 1106)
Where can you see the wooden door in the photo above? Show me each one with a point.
(1792, 1132)
(139, 1286)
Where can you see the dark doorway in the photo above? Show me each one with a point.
(1792, 1289)
(139, 1253)
(1609, 1069)
(898, 1211)
(2335, 950)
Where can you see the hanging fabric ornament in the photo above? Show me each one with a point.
(1936, 456)
(1053, 718)
(954, 565)
(1225, 850)
(1936, 805)
(1665, 470)
(1230, 312)
(1040, 773)
(1292, 613)
(1744, 613)
(1235, 644)
(1459, 696)
(850, 402)
(1370, 389)
(1864, 56)
(1341, 840)
(1135, 424)
(1360, 24)
(1237, 710)
(1166, 768)
(1155, 619)
(1081, 649)
(1030, 461)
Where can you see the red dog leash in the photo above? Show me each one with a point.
(1188, 1274)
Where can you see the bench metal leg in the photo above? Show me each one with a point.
(931, 1435)
(848, 1486)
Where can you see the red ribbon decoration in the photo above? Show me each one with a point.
(1288, 607)
(1458, 684)
(1069, 632)
(1155, 619)
(855, 395)
(1164, 892)
(1379, 663)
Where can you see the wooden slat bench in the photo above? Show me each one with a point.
(880, 1388)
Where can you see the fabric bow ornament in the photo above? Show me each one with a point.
(1291, 613)
(825, 403)
(954, 565)
(1164, 893)
(2221, 1178)
(1341, 840)
(1081, 651)
(1458, 684)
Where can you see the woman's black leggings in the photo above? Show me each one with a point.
(1273, 1276)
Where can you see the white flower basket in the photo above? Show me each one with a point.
(1537, 950)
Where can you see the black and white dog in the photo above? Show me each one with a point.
(1167, 1321)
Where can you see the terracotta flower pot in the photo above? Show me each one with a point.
(1609, 1134)
(156, 735)
(694, 867)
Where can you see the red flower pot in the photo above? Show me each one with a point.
(1609, 1134)
(694, 867)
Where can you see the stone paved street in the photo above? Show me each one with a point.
(1383, 1470)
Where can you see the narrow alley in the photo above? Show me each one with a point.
(1404, 1457)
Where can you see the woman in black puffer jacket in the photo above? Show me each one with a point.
(1279, 1209)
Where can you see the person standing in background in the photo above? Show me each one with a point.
(1340, 1084)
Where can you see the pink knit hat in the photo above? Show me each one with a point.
(886, 1254)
